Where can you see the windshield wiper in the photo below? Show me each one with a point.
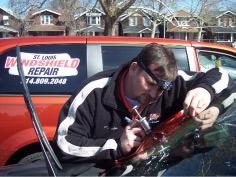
(43, 141)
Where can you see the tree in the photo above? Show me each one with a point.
(204, 11)
(22, 7)
(229, 5)
(73, 7)
(157, 9)
(204, 15)
(113, 10)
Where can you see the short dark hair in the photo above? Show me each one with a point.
(154, 53)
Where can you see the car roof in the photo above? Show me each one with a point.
(7, 43)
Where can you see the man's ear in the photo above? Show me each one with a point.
(133, 68)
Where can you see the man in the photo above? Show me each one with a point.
(92, 125)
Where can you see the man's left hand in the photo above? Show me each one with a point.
(196, 101)
(207, 117)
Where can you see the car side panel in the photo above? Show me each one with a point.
(15, 122)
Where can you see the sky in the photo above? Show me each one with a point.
(3, 3)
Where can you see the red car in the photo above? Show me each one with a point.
(55, 66)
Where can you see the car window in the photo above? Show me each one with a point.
(114, 56)
(208, 60)
(181, 56)
(229, 64)
(49, 69)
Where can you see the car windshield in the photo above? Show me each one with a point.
(216, 149)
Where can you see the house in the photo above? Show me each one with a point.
(224, 30)
(132, 23)
(136, 23)
(47, 22)
(90, 22)
(182, 25)
(8, 23)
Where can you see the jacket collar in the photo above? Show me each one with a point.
(122, 97)
(111, 98)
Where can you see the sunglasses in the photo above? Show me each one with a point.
(163, 84)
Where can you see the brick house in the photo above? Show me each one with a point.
(47, 22)
(224, 30)
(136, 23)
(8, 23)
(90, 22)
(181, 25)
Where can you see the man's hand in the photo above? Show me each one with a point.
(196, 101)
(142, 156)
(207, 117)
(132, 137)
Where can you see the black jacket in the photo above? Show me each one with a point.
(92, 120)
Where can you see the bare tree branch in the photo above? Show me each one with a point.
(113, 10)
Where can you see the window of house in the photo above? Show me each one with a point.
(183, 21)
(132, 21)
(5, 19)
(29, 23)
(232, 24)
(195, 36)
(220, 36)
(93, 20)
(46, 20)
(146, 21)
(221, 22)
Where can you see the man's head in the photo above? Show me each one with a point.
(158, 54)
(150, 73)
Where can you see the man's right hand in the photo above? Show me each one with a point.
(132, 137)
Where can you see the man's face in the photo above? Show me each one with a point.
(144, 88)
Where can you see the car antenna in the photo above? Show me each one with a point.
(43, 141)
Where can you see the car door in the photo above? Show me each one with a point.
(53, 72)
